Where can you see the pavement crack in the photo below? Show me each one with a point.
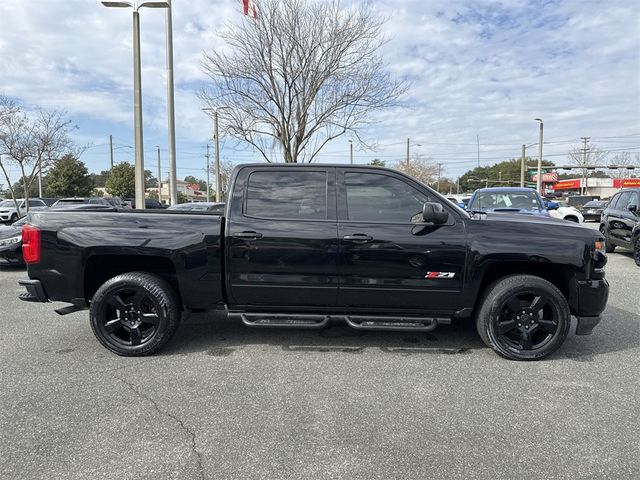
(182, 425)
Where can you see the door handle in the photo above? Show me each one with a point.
(248, 235)
(358, 238)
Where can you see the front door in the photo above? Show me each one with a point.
(387, 259)
(282, 236)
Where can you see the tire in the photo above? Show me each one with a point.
(523, 317)
(636, 250)
(572, 219)
(134, 314)
(14, 218)
(608, 246)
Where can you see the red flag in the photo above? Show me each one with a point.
(248, 5)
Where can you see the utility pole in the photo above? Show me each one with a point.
(159, 177)
(478, 140)
(439, 171)
(111, 151)
(351, 151)
(173, 184)
(39, 178)
(585, 140)
(539, 180)
(215, 126)
(407, 152)
(522, 162)
(208, 176)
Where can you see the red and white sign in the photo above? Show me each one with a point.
(550, 177)
(567, 184)
(626, 182)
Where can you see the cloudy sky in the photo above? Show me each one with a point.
(479, 69)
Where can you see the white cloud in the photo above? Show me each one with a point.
(482, 68)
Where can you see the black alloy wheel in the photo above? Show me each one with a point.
(523, 317)
(14, 218)
(134, 314)
(636, 250)
(608, 247)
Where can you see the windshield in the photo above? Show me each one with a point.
(594, 203)
(505, 199)
(7, 203)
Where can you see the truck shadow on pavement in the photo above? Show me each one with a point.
(216, 335)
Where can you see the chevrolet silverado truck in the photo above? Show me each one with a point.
(305, 245)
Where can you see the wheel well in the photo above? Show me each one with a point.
(571, 218)
(558, 275)
(100, 268)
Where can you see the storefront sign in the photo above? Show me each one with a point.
(626, 182)
(567, 184)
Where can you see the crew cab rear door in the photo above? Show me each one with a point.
(386, 260)
(282, 237)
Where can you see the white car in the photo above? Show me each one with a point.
(9, 214)
(568, 213)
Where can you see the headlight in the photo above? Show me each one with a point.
(10, 241)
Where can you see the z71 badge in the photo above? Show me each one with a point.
(440, 275)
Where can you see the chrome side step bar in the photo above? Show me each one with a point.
(358, 322)
(275, 320)
(392, 323)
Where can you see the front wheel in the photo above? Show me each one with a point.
(134, 314)
(14, 218)
(636, 250)
(608, 247)
(523, 317)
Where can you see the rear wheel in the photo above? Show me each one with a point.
(608, 247)
(523, 317)
(134, 314)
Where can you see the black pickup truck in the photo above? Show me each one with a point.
(304, 245)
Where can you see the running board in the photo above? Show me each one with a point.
(275, 320)
(414, 324)
(358, 322)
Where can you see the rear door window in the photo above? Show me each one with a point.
(300, 195)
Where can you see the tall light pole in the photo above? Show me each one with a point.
(539, 179)
(137, 90)
(159, 176)
(351, 152)
(173, 184)
(208, 175)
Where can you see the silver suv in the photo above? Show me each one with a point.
(9, 214)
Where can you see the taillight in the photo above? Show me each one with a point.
(31, 244)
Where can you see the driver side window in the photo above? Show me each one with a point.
(373, 197)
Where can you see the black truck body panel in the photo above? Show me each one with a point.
(326, 262)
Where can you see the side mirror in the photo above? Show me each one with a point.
(552, 205)
(633, 208)
(434, 213)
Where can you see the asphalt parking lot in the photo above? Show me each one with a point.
(227, 402)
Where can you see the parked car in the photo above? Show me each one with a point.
(565, 212)
(149, 203)
(593, 210)
(459, 200)
(510, 200)
(81, 200)
(9, 213)
(215, 207)
(374, 249)
(635, 235)
(11, 243)
(619, 218)
(579, 200)
(116, 202)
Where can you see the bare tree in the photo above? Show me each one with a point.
(419, 167)
(33, 142)
(591, 156)
(624, 159)
(300, 74)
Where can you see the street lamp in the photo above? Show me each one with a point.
(137, 90)
(539, 179)
(217, 146)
